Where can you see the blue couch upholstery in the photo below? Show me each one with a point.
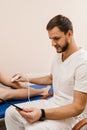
(4, 106)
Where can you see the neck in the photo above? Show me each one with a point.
(70, 50)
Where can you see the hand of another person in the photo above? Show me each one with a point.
(31, 114)
(20, 78)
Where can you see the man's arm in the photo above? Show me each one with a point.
(45, 80)
(71, 110)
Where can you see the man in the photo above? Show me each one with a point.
(69, 78)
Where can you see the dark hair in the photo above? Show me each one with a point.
(62, 22)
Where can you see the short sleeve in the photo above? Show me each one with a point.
(81, 78)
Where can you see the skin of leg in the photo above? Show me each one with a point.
(21, 93)
(6, 80)
(18, 93)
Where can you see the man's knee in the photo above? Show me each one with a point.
(10, 112)
(12, 115)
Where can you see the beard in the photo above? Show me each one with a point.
(60, 49)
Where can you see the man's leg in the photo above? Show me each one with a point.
(14, 120)
(48, 125)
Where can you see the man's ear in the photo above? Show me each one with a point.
(69, 33)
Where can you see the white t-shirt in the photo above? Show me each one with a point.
(69, 75)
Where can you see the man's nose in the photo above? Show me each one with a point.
(53, 43)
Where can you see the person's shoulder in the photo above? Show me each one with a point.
(83, 54)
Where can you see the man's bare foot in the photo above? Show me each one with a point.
(45, 90)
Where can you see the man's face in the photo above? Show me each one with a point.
(59, 39)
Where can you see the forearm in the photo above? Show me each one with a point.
(63, 112)
(42, 80)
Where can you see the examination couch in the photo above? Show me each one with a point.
(4, 106)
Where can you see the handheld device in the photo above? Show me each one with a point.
(15, 78)
(11, 104)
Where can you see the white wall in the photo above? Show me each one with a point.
(24, 43)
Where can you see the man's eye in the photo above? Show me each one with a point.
(56, 38)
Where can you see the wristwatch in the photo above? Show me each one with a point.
(42, 118)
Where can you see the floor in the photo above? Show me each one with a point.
(2, 124)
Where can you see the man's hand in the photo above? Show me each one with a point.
(21, 78)
(31, 114)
